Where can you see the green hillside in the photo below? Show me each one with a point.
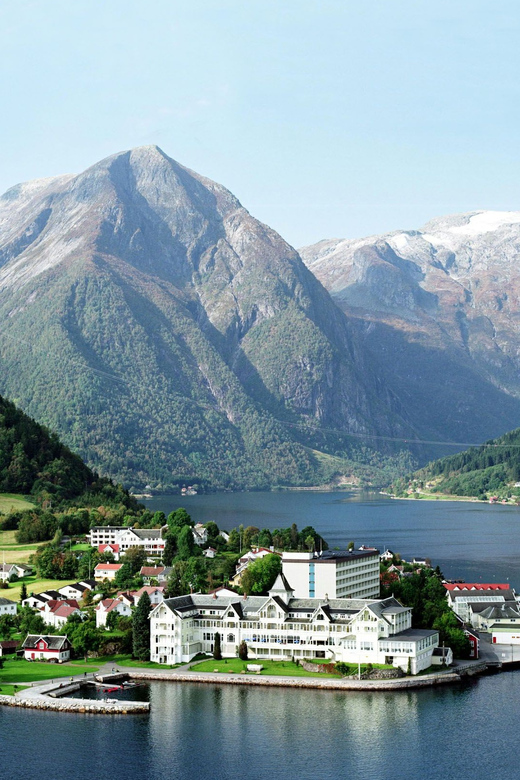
(34, 462)
(480, 472)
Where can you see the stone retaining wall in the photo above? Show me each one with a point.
(341, 684)
(77, 705)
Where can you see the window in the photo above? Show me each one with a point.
(231, 638)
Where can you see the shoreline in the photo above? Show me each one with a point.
(446, 497)
(47, 696)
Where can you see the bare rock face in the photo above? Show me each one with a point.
(440, 306)
(169, 336)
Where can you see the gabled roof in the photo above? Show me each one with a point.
(460, 586)
(52, 642)
(6, 602)
(108, 566)
(151, 571)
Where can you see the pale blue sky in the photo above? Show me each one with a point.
(327, 119)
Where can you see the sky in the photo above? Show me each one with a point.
(339, 118)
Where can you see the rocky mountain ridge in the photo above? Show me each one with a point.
(440, 306)
(169, 336)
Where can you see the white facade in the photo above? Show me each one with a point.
(150, 539)
(110, 605)
(279, 626)
(7, 607)
(333, 574)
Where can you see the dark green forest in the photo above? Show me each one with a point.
(480, 472)
(34, 462)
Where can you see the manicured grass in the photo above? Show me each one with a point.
(80, 547)
(127, 660)
(8, 690)
(12, 552)
(19, 670)
(12, 502)
(278, 668)
(34, 584)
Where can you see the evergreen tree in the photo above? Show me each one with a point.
(185, 543)
(242, 650)
(217, 652)
(23, 592)
(141, 629)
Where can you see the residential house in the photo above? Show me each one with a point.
(7, 607)
(280, 626)
(387, 555)
(113, 549)
(23, 569)
(8, 646)
(149, 573)
(126, 597)
(162, 579)
(209, 552)
(56, 613)
(75, 591)
(333, 574)
(245, 560)
(38, 647)
(200, 534)
(155, 592)
(34, 601)
(106, 571)
(7, 572)
(110, 605)
(50, 594)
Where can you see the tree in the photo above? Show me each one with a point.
(261, 574)
(141, 629)
(242, 650)
(350, 546)
(185, 543)
(170, 548)
(234, 541)
(111, 620)
(178, 519)
(217, 652)
(85, 638)
(213, 531)
(135, 557)
(23, 592)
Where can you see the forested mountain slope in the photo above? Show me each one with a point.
(34, 462)
(168, 336)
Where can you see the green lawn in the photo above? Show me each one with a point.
(278, 668)
(34, 584)
(8, 690)
(80, 547)
(12, 502)
(126, 660)
(19, 670)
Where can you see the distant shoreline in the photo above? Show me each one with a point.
(446, 497)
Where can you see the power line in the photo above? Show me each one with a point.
(304, 426)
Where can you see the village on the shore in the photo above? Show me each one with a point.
(327, 611)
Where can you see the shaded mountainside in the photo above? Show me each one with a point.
(170, 337)
(439, 308)
(480, 472)
(34, 462)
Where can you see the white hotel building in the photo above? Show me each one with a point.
(333, 574)
(279, 626)
(150, 539)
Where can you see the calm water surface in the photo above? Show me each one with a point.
(222, 732)
(472, 541)
(196, 732)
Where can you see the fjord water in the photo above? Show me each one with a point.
(199, 731)
(468, 540)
